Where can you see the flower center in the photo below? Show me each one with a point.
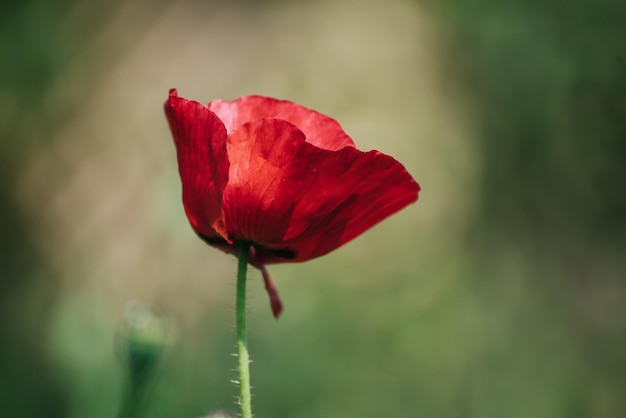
(219, 242)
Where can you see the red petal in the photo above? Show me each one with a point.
(254, 204)
(351, 192)
(272, 292)
(286, 194)
(319, 129)
(200, 139)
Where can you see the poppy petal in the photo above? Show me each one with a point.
(319, 130)
(352, 191)
(270, 287)
(296, 201)
(254, 209)
(200, 139)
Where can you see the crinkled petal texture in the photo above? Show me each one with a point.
(318, 129)
(200, 138)
(281, 177)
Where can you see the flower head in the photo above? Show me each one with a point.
(278, 177)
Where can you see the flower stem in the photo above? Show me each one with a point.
(242, 338)
(130, 403)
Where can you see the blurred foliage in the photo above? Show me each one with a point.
(526, 319)
(549, 78)
(32, 56)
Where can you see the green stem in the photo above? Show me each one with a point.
(130, 402)
(242, 339)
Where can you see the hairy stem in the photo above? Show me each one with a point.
(242, 338)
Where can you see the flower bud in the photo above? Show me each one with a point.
(220, 413)
(143, 340)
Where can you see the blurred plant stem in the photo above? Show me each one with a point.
(143, 343)
(242, 338)
(130, 402)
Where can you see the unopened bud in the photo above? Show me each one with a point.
(143, 340)
(220, 413)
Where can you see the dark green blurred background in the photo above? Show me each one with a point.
(501, 293)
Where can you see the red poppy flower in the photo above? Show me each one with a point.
(279, 177)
